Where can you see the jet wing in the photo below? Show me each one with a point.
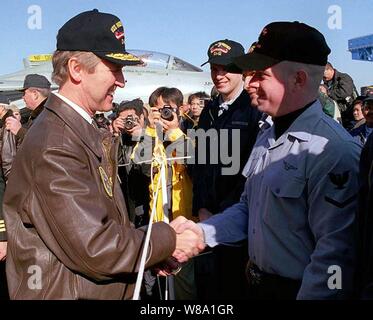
(10, 85)
(9, 90)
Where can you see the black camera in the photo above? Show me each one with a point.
(166, 113)
(129, 122)
(203, 102)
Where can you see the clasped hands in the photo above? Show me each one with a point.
(189, 243)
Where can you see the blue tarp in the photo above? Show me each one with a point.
(361, 48)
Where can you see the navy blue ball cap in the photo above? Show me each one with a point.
(223, 52)
(290, 41)
(99, 33)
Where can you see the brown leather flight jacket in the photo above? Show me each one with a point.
(69, 235)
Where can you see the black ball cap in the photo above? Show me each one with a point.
(223, 52)
(97, 32)
(291, 41)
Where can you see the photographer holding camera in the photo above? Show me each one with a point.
(142, 138)
(164, 104)
(131, 118)
(170, 142)
(134, 177)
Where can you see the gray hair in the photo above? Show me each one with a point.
(60, 59)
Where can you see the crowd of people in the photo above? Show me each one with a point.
(256, 190)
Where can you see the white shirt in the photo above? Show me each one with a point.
(77, 108)
(224, 105)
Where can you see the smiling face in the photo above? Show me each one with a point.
(267, 89)
(98, 87)
(226, 83)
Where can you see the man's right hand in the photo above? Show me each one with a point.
(13, 125)
(189, 239)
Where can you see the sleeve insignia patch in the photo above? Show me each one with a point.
(339, 179)
(338, 204)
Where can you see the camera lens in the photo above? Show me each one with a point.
(166, 113)
(129, 122)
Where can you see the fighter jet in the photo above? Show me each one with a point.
(158, 69)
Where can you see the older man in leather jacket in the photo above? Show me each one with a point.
(69, 236)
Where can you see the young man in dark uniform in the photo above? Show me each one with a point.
(219, 184)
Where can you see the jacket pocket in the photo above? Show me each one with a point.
(287, 186)
(286, 206)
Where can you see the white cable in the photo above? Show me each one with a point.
(136, 295)
(161, 180)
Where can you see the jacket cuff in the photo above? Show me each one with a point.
(162, 243)
(3, 236)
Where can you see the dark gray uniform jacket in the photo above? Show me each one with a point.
(211, 189)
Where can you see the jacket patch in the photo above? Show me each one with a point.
(339, 179)
(340, 204)
(106, 181)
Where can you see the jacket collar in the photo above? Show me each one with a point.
(236, 104)
(231, 101)
(34, 113)
(88, 134)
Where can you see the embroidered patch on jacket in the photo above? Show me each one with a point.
(339, 179)
(339, 204)
(106, 181)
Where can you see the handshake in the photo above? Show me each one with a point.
(189, 243)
